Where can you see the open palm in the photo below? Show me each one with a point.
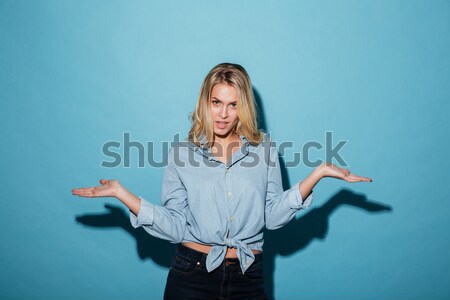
(331, 170)
(107, 188)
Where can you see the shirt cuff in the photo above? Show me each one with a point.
(145, 214)
(296, 200)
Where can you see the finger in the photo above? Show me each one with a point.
(83, 189)
(350, 178)
(356, 178)
(88, 194)
(103, 181)
(75, 191)
(362, 178)
(346, 171)
(84, 192)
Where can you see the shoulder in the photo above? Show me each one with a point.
(266, 137)
(183, 145)
(266, 142)
(179, 150)
(265, 149)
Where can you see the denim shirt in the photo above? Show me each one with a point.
(206, 201)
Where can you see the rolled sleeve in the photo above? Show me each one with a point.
(281, 206)
(168, 220)
(296, 199)
(145, 215)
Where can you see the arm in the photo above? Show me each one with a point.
(307, 185)
(281, 206)
(328, 170)
(167, 221)
(111, 188)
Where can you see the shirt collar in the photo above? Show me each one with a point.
(243, 151)
(203, 141)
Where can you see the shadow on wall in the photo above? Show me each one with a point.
(312, 225)
(158, 250)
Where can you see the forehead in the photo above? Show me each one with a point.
(224, 92)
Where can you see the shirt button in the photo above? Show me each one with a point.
(229, 194)
(231, 218)
(227, 171)
(248, 262)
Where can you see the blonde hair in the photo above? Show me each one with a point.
(202, 124)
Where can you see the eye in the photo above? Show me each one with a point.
(215, 102)
(233, 105)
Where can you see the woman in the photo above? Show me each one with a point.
(220, 189)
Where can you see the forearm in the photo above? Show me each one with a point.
(307, 185)
(129, 199)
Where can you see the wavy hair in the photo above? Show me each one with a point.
(202, 124)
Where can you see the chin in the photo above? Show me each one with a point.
(222, 133)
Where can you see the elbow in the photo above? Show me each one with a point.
(271, 225)
(178, 233)
(178, 238)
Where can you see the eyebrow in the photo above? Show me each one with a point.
(234, 102)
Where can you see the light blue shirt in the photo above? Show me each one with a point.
(203, 200)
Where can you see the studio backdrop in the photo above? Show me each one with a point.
(99, 89)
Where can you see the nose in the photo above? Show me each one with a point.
(224, 112)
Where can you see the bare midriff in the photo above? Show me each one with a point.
(231, 252)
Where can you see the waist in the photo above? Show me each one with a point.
(231, 252)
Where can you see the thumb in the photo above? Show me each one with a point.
(103, 181)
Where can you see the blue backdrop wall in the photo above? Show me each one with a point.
(77, 74)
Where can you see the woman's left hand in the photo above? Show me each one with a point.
(331, 170)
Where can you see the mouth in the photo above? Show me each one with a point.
(221, 124)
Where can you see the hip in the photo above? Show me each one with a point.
(231, 252)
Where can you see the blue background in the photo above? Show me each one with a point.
(76, 74)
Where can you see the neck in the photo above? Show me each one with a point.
(224, 147)
(226, 140)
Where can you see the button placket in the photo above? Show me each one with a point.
(229, 193)
(228, 183)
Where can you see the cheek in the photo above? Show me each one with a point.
(234, 115)
(213, 110)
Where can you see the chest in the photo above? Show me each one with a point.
(212, 180)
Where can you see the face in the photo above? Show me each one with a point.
(223, 104)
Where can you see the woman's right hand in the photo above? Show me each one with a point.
(108, 188)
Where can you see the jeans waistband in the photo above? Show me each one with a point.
(194, 254)
(201, 257)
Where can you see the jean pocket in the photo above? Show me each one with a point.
(255, 272)
(184, 266)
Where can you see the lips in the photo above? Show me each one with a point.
(221, 125)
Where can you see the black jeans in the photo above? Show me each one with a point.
(188, 278)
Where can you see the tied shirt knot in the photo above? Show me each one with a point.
(217, 254)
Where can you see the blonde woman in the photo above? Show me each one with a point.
(220, 189)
